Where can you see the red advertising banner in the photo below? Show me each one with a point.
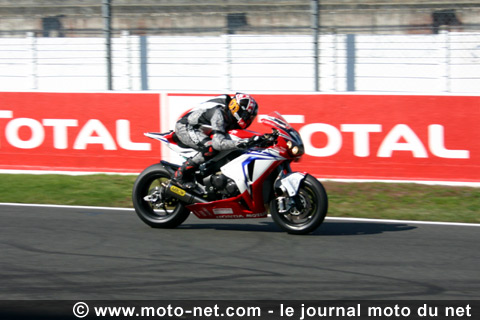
(371, 137)
(385, 137)
(97, 132)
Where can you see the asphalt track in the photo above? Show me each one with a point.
(91, 253)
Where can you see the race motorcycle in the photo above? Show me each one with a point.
(236, 184)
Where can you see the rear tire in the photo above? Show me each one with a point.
(307, 219)
(149, 182)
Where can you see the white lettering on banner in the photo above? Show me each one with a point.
(93, 132)
(400, 138)
(36, 138)
(361, 137)
(60, 134)
(6, 114)
(436, 136)
(334, 143)
(123, 138)
(86, 136)
(391, 142)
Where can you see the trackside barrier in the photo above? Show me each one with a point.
(371, 137)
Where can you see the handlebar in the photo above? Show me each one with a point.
(265, 140)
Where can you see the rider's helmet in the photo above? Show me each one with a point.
(244, 109)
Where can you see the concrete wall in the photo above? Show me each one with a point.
(80, 18)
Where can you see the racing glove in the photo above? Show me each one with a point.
(247, 143)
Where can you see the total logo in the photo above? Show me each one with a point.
(399, 138)
(92, 132)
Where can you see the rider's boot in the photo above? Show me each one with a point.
(184, 174)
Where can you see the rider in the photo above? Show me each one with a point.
(205, 129)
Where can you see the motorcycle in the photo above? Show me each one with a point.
(236, 184)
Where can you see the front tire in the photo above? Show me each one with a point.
(311, 212)
(149, 184)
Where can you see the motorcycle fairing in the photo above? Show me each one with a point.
(249, 167)
(249, 171)
(276, 121)
(224, 209)
(290, 183)
(168, 139)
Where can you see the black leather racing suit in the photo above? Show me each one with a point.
(212, 117)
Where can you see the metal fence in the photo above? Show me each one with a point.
(295, 45)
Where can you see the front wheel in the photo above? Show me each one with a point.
(303, 213)
(150, 206)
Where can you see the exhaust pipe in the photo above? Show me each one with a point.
(182, 195)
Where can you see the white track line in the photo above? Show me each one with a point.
(63, 206)
(461, 224)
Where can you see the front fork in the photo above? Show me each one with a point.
(286, 190)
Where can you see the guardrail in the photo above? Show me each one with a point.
(436, 63)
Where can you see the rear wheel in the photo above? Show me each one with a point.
(150, 204)
(303, 213)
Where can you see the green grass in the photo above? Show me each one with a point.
(404, 201)
(367, 200)
(89, 190)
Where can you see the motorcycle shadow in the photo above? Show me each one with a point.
(359, 228)
(262, 226)
(328, 228)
